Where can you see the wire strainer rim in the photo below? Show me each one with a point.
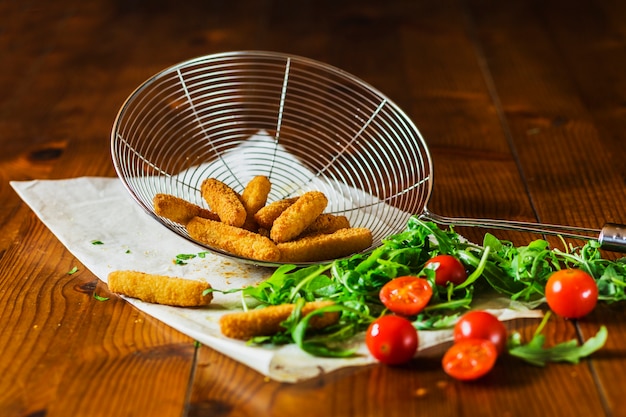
(426, 184)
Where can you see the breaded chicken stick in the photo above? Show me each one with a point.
(320, 247)
(232, 239)
(224, 201)
(179, 210)
(266, 321)
(254, 197)
(327, 223)
(297, 217)
(265, 216)
(160, 289)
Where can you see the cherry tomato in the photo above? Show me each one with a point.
(469, 359)
(392, 339)
(571, 293)
(447, 269)
(406, 295)
(481, 325)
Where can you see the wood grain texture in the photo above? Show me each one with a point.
(66, 353)
(522, 104)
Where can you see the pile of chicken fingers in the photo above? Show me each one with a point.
(292, 230)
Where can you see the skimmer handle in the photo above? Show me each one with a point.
(612, 236)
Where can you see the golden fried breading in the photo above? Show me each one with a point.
(160, 289)
(224, 201)
(179, 210)
(265, 216)
(266, 321)
(232, 239)
(254, 197)
(327, 223)
(324, 246)
(297, 217)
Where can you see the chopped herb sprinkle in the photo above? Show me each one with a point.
(182, 257)
(99, 298)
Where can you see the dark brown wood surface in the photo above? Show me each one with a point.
(522, 104)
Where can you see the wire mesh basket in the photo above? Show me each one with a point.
(303, 124)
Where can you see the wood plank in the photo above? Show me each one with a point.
(452, 105)
(598, 59)
(553, 100)
(542, 102)
(64, 350)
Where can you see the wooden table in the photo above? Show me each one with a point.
(523, 106)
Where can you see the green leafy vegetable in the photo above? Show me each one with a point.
(72, 271)
(535, 353)
(287, 284)
(328, 343)
(99, 298)
(495, 267)
(181, 258)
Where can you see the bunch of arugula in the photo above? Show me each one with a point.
(354, 283)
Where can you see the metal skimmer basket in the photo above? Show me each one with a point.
(304, 124)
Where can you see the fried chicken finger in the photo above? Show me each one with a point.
(160, 289)
(254, 197)
(297, 217)
(224, 201)
(232, 239)
(179, 210)
(266, 321)
(320, 247)
(327, 223)
(265, 216)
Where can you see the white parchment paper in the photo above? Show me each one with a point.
(82, 210)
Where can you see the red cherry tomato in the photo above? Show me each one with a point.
(406, 295)
(469, 359)
(392, 339)
(447, 269)
(571, 293)
(481, 325)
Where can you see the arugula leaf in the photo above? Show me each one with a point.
(497, 265)
(535, 353)
(99, 297)
(435, 322)
(331, 341)
(182, 257)
(288, 283)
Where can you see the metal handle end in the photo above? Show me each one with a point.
(613, 237)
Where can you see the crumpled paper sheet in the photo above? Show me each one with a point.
(82, 210)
